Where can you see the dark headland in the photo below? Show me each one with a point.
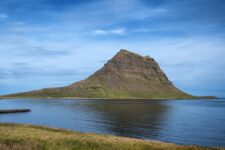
(6, 111)
(126, 76)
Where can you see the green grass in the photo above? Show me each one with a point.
(28, 137)
(103, 93)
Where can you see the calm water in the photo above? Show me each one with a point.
(199, 122)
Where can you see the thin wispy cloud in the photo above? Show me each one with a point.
(43, 52)
(20, 27)
(117, 31)
(24, 70)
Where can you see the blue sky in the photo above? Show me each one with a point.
(48, 43)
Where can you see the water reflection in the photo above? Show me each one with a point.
(130, 118)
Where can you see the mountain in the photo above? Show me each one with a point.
(126, 76)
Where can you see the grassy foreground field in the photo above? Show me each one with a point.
(28, 137)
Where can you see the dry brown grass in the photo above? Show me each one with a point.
(28, 137)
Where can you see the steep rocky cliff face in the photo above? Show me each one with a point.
(126, 75)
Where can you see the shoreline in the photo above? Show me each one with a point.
(42, 137)
(86, 98)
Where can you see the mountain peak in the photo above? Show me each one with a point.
(125, 52)
(126, 75)
(129, 64)
(126, 60)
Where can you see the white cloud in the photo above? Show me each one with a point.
(100, 32)
(121, 31)
(117, 31)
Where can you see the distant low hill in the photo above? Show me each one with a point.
(126, 76)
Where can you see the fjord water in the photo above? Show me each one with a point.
(187, 122)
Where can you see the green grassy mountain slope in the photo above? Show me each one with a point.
(126, 75)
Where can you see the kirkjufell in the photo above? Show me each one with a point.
(126, 76)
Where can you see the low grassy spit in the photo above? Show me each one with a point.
(29, 137)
